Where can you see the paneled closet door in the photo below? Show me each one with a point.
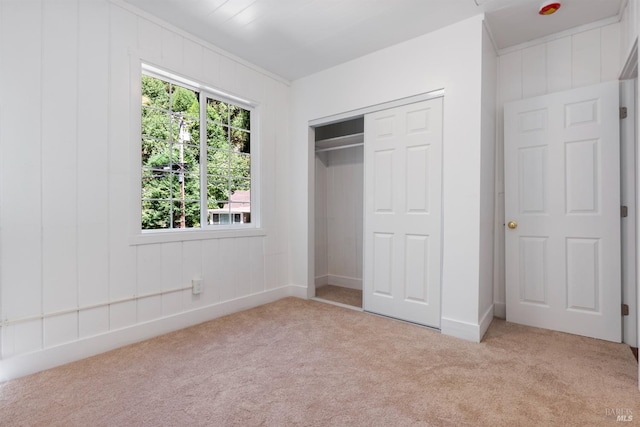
(403, 219)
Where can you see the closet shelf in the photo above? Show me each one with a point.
(339, 142)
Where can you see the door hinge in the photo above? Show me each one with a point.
(624, 211)
(623, 112)
(625, 309)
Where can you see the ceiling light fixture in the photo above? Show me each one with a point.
(549, 8)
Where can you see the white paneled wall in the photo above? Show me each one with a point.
(339, 217)
(581, 59)
(68, 269)
(321, 251)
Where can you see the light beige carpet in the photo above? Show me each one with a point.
(304, 363)
(339, 294)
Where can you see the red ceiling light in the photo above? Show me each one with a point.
(549, 7)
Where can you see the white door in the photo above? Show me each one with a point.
(562, 208)
(403, 224)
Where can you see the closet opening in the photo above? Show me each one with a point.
(339, 211)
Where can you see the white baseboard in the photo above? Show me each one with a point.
(458, 329)
(322, 280)
(29, 363)
(344, 281)
(486, 320)
(500, 310)
(298, 291)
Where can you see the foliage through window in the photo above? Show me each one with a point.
(196, 158)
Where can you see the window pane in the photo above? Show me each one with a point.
(155, 123)
(186, 214)
(218, 162)
(185, 101)
(217, 111)
(156, 214)
(151, 149)
(240, 166)
(241, 141)
(240, 189)
(217, 191)
(239, 117)
(155, 92)
(171, 164)
(157, 184)
(191, 187)
(240, 200)
(217, 136)
(191, 157)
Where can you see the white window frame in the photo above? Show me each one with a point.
(206, 230)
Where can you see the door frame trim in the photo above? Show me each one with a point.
(359, 112)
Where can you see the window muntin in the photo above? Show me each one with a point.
(196, 162)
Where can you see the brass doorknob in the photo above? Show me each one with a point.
(512, 225)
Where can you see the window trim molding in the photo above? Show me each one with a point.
(138, 236)
(190, 234)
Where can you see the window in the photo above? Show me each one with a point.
(196, 157)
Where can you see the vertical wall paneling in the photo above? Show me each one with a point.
(60, 329)
(242, 251)
(511, 76)
(59, 180)
(121, 255)
(558, 65)
(23, 337)
(256, 255)
(92, 156)
(211, 268)
(193, 61)
(149, 269)
(149, 308)
(611, 52)
(228, 277)
(171, 254)
(122, 315)
(211, 65)
(191, 269)
(320, 229)
(148, 35)
(20, 167)
(68, 267)
(172, 53)
(534, 71)
(93, 321)
(586, 58)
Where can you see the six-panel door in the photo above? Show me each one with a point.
(403, 223)
(562, 190)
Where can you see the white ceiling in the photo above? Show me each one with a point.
(295, 38)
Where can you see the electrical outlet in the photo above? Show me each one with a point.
(196, 286)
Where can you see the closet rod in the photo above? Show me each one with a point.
(321, 150)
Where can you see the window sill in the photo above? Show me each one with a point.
(153, 237)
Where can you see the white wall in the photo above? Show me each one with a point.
(546, 66)
(342, 210)
(450, 58)
(487, 181)
(66, 112)
(321, 263)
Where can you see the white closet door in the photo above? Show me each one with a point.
(403, 219)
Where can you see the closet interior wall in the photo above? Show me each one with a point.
(339, 180)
